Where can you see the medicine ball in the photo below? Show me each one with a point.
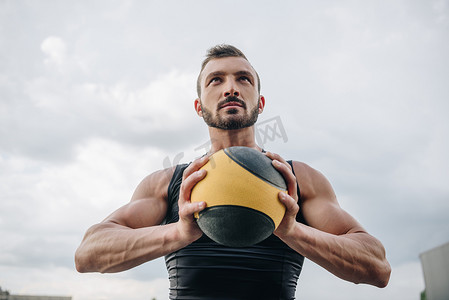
(241, 192)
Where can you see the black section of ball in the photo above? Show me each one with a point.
(258, 164)
(246, 227)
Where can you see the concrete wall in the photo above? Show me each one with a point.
(435, 263)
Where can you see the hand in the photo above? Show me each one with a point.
(290, 200)
(187, 226)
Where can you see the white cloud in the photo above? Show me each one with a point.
(56, 114)
(165, 103)
(46, 208)
(56, 50)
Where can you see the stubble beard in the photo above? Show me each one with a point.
(231, 120)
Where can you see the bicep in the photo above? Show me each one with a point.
(148, 204)
(328, 216)
(320, 207)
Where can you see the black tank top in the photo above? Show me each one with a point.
(207, 270)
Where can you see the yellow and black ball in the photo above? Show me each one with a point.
(241, 192)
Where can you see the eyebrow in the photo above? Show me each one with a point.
(213, 74)
(245, 73)
(221, 73)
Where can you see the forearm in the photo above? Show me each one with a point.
(109, 247)
(356, 257)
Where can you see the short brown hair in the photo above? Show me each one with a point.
(219, 51)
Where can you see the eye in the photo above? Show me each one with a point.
(215, 80)
(245, 78)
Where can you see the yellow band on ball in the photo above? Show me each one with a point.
(245, 190)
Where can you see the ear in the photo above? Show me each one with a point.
(198, 109)
(261, 103)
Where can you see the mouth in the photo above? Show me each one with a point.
(231, 105)
(232, 102)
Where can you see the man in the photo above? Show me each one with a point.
(158, 221)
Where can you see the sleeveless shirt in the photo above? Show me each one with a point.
(207, 270)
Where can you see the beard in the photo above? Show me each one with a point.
(231, 120)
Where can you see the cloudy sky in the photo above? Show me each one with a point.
(95, 95)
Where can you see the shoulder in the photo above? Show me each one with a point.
(155, 184)
(319, 203)
(148, 205)
(305, 170)
(311, 181)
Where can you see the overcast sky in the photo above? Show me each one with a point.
(95, 95)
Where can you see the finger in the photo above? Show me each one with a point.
(274, 156)
(286, 170)
(188, 209)
(291, 205)
(290, 179)
(188, 184)
(195, 166)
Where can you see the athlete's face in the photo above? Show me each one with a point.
(229, 95)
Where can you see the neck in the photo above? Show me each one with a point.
(221, 139)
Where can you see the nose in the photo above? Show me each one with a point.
(231, 90)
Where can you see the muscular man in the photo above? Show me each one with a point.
(158, 221)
